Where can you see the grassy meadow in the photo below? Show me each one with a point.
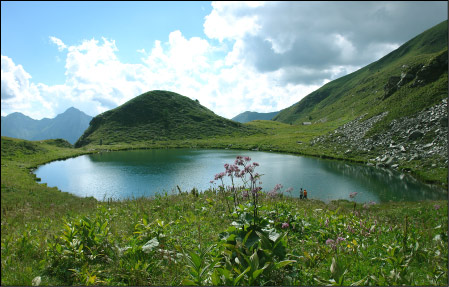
(223, 236)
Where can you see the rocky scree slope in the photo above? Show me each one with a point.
(421, 137)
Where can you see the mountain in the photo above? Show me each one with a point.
(407, 80)
(391, 113)
(158, 115)
(252, 116)
(69, 125)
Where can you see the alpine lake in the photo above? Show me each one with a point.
(144, 173)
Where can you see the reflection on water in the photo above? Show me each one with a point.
(130, 174)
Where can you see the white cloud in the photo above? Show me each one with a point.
(262, 57)
(18, 93)
(59, 43)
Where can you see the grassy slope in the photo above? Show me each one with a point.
(33, 213)
(362, 91)
(155, 116)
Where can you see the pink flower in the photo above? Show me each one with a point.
(256, 190)
(285, 225)
(436, 206)
(220, 175)
(340, 239)
(353, 194)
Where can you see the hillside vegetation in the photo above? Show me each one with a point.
(224, 236)
(253, 116)
(158, 116)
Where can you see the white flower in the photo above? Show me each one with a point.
(36, 281)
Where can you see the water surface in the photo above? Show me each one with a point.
(132, 174)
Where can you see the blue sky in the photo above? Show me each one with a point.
(26, 27)
(232, 56)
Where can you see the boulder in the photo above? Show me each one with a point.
(391, 86)
(443, 122)
(415, 135)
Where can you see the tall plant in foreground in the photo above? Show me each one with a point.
(250, 189)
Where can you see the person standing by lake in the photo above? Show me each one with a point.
(305, 194)
(301, 194)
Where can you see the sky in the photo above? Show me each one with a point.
(231, 56)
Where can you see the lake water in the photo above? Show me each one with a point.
(132, 174)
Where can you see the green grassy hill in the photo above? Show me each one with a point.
(253, 116)
(158, 116)
(373, 89)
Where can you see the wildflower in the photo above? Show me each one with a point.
(220, 175)
(36, 281)
(330, 242)
(256, 190)
(239, 160)
(289, 190)
(372, 202)
(255, 164)
(340, 239)
(247, 158)
(272, 193)
(277, 187)
(285, 225)
(326, 223)
(436, 206)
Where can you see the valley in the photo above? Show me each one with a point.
(391, 114)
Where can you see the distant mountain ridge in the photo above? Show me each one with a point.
(69, 125)
(158, 116)
(253, 116)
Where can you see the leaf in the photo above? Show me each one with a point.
(215, 278)
(333, 266)
(236, 280)
(274, 236)
(246, 237)
(188, 282)
(358, 283)
(284, 263)
(195, 259)
(257, 273)
(254, 260)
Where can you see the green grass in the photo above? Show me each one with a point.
(162, 240)
(158, 116)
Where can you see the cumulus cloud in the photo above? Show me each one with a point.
(18, 93)
(59, 43)
(259, 56)
(318, 35)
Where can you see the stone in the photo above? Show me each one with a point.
(390, 161)
(391, 86)
(415, 135)
(428, 145)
